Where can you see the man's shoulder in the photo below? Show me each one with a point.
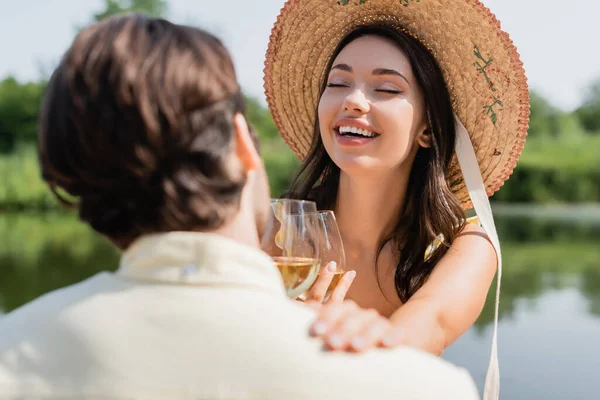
(68, 294)
(397, 373)
(380, 373)
(51, 339)
(45, 312)
(423, 374)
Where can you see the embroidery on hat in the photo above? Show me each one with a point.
(346, 2)
(405, 3)
(455, 183)
(489, 110)
(482, 68)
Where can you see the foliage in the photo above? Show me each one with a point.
(19, 109)
(22, 186)
(589, 112)
(279, 160)
(556, 170)
(151, 8)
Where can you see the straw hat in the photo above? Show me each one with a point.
(481, 67)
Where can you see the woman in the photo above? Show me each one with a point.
(374, 86)
(382, 154)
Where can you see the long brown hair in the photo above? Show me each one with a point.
(430, 208)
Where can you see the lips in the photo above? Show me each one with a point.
(352, 140)
(355, 132)
(350, 132)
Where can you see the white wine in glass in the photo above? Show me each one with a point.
(298, 273)
(292, 239)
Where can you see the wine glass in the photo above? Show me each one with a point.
(292, 206)
(332, 247)
(293, 240)
(279, 209)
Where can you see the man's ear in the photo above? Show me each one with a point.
(244, 146)
(425, 139)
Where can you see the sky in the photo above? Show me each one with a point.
(554, 37)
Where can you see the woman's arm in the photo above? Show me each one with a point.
(451, 299)
(440, 311)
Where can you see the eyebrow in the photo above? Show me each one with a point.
(342, 67)
(385, 71)
(376, 71)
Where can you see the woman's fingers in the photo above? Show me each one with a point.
(347, 333)
(330, 316)
(372, 334)
(318, 291)
(339, 293)
(345, 326)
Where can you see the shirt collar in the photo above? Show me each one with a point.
(199, 259)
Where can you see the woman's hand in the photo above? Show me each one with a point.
(317, 295)
(346, 326)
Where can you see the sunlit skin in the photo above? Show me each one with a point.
(371, 86)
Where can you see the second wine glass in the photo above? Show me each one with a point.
(331, 248)
(292, 239)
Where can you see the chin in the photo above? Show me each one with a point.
(358, 164)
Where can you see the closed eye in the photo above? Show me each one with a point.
(334, 85)
(388, 91)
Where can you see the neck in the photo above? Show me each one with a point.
(242, 227)
(368, 208)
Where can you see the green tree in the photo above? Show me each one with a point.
(279, 160)
(260, 119)
(589, 113)
(7, 139)
(547, 121)
(19, 109)
(151, 8)
(544, 118)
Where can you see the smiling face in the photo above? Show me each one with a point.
(372, 114)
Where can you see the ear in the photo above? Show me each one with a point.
(244, 146)
(425, 139)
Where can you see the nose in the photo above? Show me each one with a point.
(356, 102)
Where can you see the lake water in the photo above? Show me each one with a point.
(549, 334)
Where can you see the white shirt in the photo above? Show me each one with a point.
(197, 316)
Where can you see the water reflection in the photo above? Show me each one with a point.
(542, 254)
(549, 309)
(548, 349)
(41, 253)
(591, 289)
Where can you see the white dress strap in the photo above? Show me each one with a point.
(474, 182)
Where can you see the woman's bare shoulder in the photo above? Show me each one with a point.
(473, 228)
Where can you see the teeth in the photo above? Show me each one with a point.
(356, 131)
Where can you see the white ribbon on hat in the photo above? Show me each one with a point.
(474, 182)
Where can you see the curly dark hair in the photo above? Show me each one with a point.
(137, 125)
